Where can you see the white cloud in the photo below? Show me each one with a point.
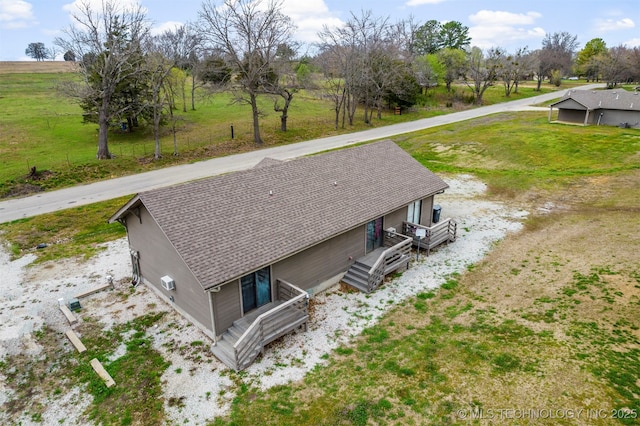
(634, 42)
(613, 25)
(96, 5)
(498, 17)
(165, 26)
(16, 14)
(309, 16)
(495, 28)
(421, 2)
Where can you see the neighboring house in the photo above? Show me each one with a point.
(600, 107)
(239, 254)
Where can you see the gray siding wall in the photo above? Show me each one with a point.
(158, 258)
(426, 216)
(226, 306)
(395, 219)
(571, 104)
(319, 263)
(614, 118)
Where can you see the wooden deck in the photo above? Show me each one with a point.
(371, 258)
(368, 272)
(247, 337)
(442, 232)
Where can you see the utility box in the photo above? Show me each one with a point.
(74, 304)
(168, 283)
(436, 213)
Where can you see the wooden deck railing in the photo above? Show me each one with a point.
(272, 324)
(444, 231)
(399, 252)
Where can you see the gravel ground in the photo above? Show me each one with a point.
(196, 380)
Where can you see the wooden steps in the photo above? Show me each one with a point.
(282, 323)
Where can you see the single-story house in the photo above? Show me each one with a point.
(239, 254)
(600, 107)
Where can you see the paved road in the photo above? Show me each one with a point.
(47, 202)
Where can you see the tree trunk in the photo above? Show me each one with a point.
(184, 100)
(256, 119)
(193, 91)
(175, 140)
(156, 133)
(103, 123)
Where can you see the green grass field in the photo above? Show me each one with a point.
(42, 128)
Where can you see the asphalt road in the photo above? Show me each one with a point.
(47, 202)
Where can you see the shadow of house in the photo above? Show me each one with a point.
(240, 254)
(599, 107)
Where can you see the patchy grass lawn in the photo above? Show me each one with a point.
(67, 233)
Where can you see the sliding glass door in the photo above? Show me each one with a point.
(256, 289)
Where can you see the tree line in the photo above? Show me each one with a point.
(244, 47)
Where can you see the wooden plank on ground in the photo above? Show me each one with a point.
(93, 291)
(76, 341)
(67, 313)
(98, 368)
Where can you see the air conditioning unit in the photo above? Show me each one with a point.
(168, 283)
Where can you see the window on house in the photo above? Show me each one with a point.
(414, 211)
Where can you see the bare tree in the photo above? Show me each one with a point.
(556, 54)
(330, 62)
(108, 42)
(616, 66)
(361, 48)
(248, 33)
(405, 32)
(482, 71)
(511, 68)
(163, 53)
(284, 83)
(189, 40)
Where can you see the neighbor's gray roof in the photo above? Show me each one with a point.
(226, 226)
(268, 162)
(619, 99)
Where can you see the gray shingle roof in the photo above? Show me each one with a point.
(226, 226)
(619, 99)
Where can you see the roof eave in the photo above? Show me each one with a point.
(124, 209)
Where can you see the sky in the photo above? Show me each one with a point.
(510, 24)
